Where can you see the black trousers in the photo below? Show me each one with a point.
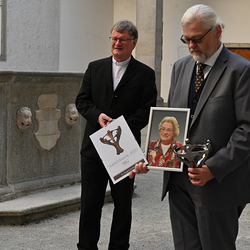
(193, 225)
(94, 183)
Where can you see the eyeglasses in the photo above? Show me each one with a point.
(194, 40)
(121, 40)
(164, 129)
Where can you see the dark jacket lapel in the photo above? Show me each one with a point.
(211, 81)
(187, 80)
(107, 72)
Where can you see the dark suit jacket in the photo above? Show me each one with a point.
(133, 97)
(223, 116)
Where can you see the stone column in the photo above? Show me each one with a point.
(149, 46)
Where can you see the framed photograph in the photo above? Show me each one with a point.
(166, 127)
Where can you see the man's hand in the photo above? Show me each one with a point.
(200, 176)
(104, 120)
(140, 168)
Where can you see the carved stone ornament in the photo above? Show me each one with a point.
(47, 117)
(71, 114)
(23, 118)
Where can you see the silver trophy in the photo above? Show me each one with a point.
(193, 155)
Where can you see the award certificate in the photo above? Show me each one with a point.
(118, 149)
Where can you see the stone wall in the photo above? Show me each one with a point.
(32, 35)
(27, 162)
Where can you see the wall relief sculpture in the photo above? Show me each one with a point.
(47, 117)
(24, 116)
(71, 114)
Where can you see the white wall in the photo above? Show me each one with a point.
(65, 35)
(125, 10)
(85, 29)
(235, 15)
(32, 35)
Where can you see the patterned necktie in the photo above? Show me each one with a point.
(199, 76)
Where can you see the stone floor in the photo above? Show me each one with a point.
(150, 228)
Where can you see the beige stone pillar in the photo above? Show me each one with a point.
(149, 46)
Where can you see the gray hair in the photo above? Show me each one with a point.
(204, 13)
(173, 121)
(128, 26)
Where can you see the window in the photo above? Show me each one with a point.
(3, 30)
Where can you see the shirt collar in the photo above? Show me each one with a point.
(124, 63)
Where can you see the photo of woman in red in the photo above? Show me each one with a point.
(160, 151)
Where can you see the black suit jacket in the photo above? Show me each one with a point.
(133, 97)
(223, 116)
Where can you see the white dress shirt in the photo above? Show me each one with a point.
(119, 69)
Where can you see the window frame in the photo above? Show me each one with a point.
(3, 30)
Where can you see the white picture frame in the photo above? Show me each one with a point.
(153, 136)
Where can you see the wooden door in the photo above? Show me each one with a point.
(242, 49)
(245, 52)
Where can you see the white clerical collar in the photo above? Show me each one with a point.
(124, 63)
(211, 60)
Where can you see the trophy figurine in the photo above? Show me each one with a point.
(193, 155)
(113, 139)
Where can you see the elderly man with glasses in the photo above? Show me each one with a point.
(206, 202)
